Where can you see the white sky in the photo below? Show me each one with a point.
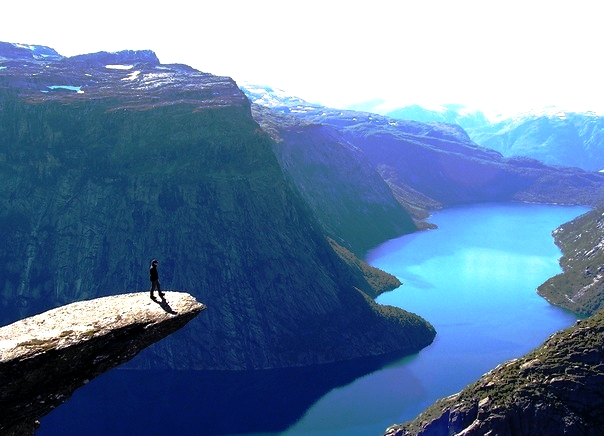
(498, 56)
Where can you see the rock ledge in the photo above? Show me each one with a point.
(45, 358)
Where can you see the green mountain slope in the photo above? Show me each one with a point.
(580, 287)
(346, 194)
(104, 168)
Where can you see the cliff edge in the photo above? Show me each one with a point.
(45, 358)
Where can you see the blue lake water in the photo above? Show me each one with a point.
(474, 279)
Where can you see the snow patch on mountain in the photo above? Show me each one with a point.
(274, 97)
(119, 67)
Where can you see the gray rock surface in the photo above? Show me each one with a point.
(45, 358)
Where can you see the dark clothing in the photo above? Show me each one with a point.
(153, 275)
(155, 285)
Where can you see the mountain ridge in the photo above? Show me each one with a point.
(437, 164)
(551, 135)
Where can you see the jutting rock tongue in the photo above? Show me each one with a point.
(45, 358)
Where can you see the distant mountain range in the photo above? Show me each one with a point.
(552, 136)
(562, 139)
(427, 164)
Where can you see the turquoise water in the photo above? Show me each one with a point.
(474, 279)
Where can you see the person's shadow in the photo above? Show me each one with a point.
(163, 303)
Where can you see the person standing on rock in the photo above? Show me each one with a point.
(154, 277)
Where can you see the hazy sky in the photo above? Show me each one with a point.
(499, 56)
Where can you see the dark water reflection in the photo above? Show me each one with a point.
(132, 402)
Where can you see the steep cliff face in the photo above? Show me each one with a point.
(342, 188)
(580, 287)
(106, 166)
(45, 358)
(554, 390)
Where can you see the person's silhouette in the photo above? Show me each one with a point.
(154, 277)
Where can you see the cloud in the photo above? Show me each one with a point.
(495, 55)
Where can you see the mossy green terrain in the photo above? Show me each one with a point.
(580, 287)
(378, 281)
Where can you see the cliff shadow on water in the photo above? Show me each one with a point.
(127, 402)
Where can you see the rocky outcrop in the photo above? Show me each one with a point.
(122, 58)
(580, 286)
(107, 165)
(45, 358)
(25, 52)
(554, 390)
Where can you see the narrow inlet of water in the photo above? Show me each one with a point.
(474, 279)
